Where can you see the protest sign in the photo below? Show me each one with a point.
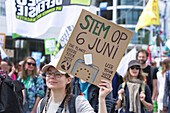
(94, 48)
(9, 52)
(2, 40)
(50, 45)
(37, 57)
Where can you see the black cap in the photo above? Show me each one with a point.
(134, 63)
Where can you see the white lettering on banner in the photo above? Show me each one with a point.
(32, 10)
(66, 35)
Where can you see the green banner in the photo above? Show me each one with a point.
(81, 2)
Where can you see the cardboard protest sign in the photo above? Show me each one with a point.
(94, 49)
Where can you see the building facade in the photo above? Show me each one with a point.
(126, 14)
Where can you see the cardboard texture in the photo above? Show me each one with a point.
(103, 39)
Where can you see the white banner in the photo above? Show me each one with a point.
(33, 18)
(123, 65)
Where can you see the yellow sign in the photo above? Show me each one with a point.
(94, 49)
(2, 40)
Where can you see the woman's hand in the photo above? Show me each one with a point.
(121, 91)
(146, 104)
(105, 88)
(142, 96)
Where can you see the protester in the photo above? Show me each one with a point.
(153, 63)
(90, 92)
(9, 68)
(4, 65)
(161, 84)
(2, 73)
(34, 85)
(134, 94)
(166, 101)
(149, 72)
(12, 70)
(43, 75)
(18, 68)
(59, 84)
(166, 51)
(10, 93)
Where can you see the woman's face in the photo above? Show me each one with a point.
(134, 71)
(30, 65)
(5, 66)
(56, 80)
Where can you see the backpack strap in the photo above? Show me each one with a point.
(124, 96)
(143, 87)
(72, 104)
(42, 104)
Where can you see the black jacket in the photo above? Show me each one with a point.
(93, 93)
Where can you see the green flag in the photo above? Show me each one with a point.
(14, 35)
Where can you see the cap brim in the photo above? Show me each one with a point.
(135, 64)
(46, 67)
(49, 65)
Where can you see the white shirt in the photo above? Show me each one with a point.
(82, 106)
(161, 85)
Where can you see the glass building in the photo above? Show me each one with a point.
(126, 14)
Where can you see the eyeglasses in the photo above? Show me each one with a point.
(56, 74)
(29, 63)
(135, 67)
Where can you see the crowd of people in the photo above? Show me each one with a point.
(48, 90)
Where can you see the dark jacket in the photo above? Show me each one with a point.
(93, 93)
(166, 89)
(127, 105)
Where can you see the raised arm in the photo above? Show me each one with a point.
(105, 88)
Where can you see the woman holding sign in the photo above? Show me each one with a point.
(134, 94)
(59, 98)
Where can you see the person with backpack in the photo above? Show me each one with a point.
(34, 85)
(166, 101)
(11, 97)
(134, 95)
(149, 73)
(59, 98)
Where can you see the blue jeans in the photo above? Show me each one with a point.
(168, 111)
(147, 111)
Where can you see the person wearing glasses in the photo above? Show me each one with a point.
(59, 93)
(131, 96)
(34, 85)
